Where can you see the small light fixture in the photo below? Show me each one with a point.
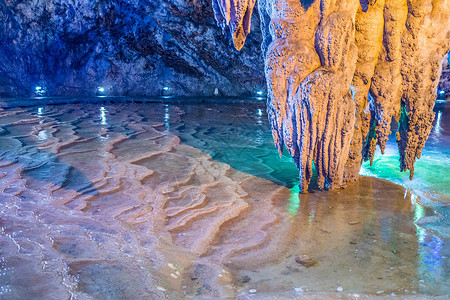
(165, 91)
(441, 94)
(39, 91)
(259, 95)
(100, 91)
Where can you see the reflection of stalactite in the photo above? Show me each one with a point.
(338, 72)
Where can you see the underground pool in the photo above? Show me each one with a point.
(168, 200)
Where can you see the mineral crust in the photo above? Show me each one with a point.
(338, 73)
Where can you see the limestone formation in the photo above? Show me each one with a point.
(131, 48)
(444, 82)
(338, 73)
(236, 14)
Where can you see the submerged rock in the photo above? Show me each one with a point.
(338, 72)
(306, 261)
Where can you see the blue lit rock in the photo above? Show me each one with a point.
(129, 47)
(444, 82)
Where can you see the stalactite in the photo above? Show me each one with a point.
(236, 14)
(338, 72)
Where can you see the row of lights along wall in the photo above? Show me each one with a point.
(40, 91)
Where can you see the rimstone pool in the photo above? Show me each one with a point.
(168, 200)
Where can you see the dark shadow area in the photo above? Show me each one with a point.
(307, 3)
(364, 5)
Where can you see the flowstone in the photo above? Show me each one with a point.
(338, 72)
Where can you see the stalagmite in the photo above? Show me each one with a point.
(338, 72)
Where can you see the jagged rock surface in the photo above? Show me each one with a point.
(444, 82)
(338, 72)
(237, 15)
(129, 47)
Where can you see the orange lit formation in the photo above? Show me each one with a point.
(338, 72)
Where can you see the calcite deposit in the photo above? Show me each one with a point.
(444, 82)
(338, 73)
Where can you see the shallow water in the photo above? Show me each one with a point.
(151, 201)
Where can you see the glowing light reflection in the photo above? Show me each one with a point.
(294, 201)
(103, 116)
(4, 271)
(40, 113)
(166, 116)
(419, 212)
(437, 127)
(259, 114)
(42, 135)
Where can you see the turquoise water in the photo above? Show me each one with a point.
(432, 170)
(164, 200)
(246, 144)
(430, 186)
(243, 140)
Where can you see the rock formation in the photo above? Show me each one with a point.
(129, 47)
(338, 72)
(444, 82)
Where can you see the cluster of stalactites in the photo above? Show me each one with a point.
(338, 72)
(236, 14)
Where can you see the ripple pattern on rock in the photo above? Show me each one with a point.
(159, 201)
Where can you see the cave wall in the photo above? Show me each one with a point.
(339, 71)
(129, 47)
(444, 82)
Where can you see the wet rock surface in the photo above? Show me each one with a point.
(163, 201)
(306, 261)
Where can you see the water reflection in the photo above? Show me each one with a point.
(431, 265)
(42, 135)
(5, 272)
(437, 127)
(166, 117)
(294, 201)
(218, 213)
(360, 237)
(103, 116)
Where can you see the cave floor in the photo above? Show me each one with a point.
(154, 201)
